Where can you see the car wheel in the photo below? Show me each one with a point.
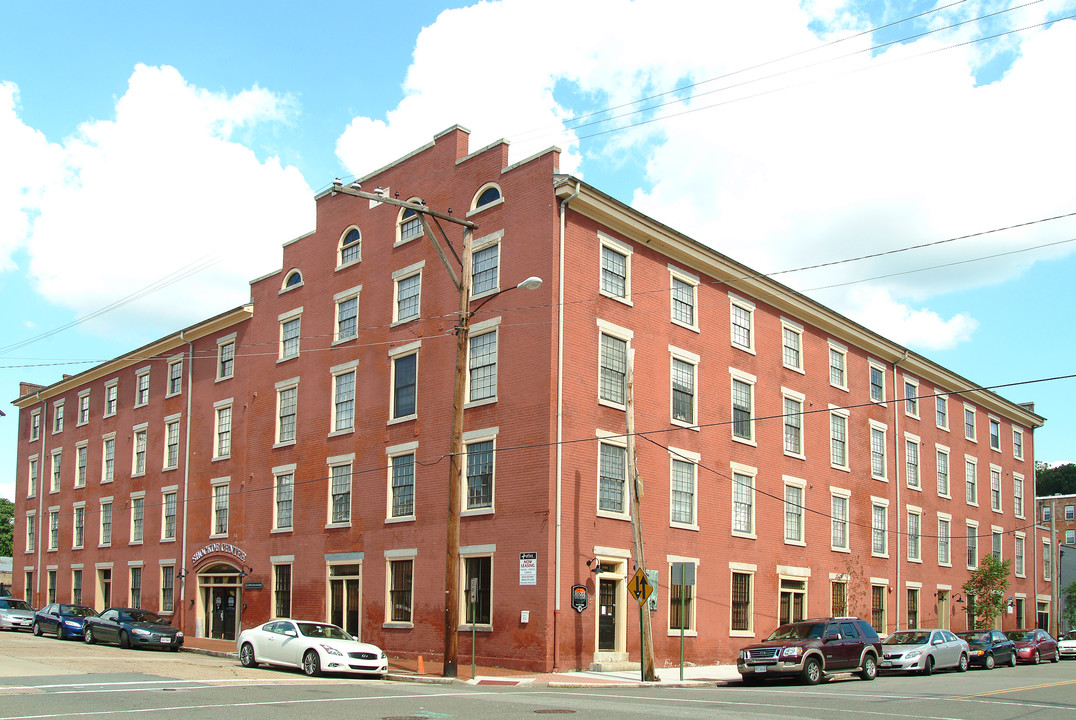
(246, 656)
(962, 666)
(1012, 659)
(928, 666)
(812, 672)
(125, 642)
(870, 668)
(37, 629)
(312, 663)
(1056, 657)
(87, 635)
(989, 662)
(1036, 659)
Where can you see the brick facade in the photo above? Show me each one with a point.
(553, 427)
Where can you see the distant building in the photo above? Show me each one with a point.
(290, 457)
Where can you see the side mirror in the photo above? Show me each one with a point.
(831, 635)
(291, 633)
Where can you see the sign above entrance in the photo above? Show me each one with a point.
(226, 548)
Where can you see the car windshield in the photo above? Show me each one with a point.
(976, 637)
(1070, 635)
(1021, 635)
(14, 605)
(907, 638)
(320, 630)
(146, 617)
(77, 611)
(797, 631)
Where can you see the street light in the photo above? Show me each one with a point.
(452, 554)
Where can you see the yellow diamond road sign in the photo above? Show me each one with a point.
(640, 587)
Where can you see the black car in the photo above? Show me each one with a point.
(63, 621)
(132, 627)
(988, 648)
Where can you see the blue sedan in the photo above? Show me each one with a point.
(132, 627)
(63, 621)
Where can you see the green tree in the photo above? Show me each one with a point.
(988, 584)
(7, 527)
(1059, 480)
(1068, 602)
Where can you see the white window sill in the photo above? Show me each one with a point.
(349, 263)
(744, 441)
(619, 299)
(840, 549)
(797, 456)
(345, 431)
(794, 369)
(221, 457)
(692, 328)
(675, 632)
(797, 543)
(167, 540)
(477, 511)
(404, 518)
(685, 424)
(613, 516)
(481, 402)
(683, 526)
(477, 628)
(842, 468)
(398, 625)
(278, 531)
(285, 443)
(333, 526)
(741, 633)
(405, 418)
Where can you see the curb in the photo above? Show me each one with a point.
(211, 653)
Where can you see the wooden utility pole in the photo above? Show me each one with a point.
(646, 636)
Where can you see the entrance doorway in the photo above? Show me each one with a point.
(793, 600)
(220, 592)
(606, 615)
(610, 631)
(345, 597)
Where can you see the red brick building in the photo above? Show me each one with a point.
(291, 456)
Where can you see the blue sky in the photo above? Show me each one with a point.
(154, 157)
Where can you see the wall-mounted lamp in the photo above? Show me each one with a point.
(958, 598)
(595, 566)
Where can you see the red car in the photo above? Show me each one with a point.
(1034, 646)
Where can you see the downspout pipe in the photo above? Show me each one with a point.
(897, 482)
(186, 479)
(560, 418)
(39, 527)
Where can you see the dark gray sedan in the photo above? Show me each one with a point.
(132, 627)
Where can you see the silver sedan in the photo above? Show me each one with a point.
(924, 651)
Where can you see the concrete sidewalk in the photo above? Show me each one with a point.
(414, 670)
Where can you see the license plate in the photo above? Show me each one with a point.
(761, 669)
(166, 641)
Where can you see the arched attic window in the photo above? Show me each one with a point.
(350, 247)
(489, 194)
(409, 225)
(293, 279)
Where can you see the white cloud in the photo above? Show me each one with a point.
(858, 155)
(163, 186)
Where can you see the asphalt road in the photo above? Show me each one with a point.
(45, 678)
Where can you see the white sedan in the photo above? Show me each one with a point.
(1066, 645)
(315, 647)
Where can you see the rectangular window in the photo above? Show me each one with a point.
(108, 469)
(1046, 513)
(403, 485)
(792, 347)
(175, 377)
(168, 581)
(793, 421)
(225, 360)
(340, 500)
(282, 590)
(969, 423)
(344, 401)
(1069, 511)
(404, 385)
(1018, 559)
(944, 552)
(943, 473)
(1018, 495)
(914, 541)
(480, 569)
(290, 330)
(35, 425)
(838, 440)
(614, 277)
(743, 425)
(995, 491)
(57, 471)
(971, 490)
(138, 507)
(683, 301)
(168, 520)
(878, 608)
(682, 501)
(484, 269)
(838, 598)
(54, 529)
(613, 361)
(941, 411)
(80, 527)
(878, 530)
(743, 504)
(408, 294)
(1047, 562)
(139, 464)
(911, 462)
(400, 586)
(224, 432)
(995, 434)
(838, 359)
(741, 602)
(482, 366)
(612, 473)
(31, 485)
(973, 547)
(877, 380)
(683, 391)
(911, 398)
(1017, 444)
(995, 544)
(878, 447)
(913, 607)
(839, 522)
(743, 325)
(106, 523)
(83, 408)
(81, 453)
(480, 475)
(142, 388)
(111, 394)
(287, 408)
(793, 513)
(220, 509)
(76, 587)
(347, 318)
(58, 417)
(171, 444)
(285, 483)
(30, 537)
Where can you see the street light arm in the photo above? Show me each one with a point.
(531, 283)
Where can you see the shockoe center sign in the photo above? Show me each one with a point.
(226, 548)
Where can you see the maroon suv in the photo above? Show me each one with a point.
(813, 649)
